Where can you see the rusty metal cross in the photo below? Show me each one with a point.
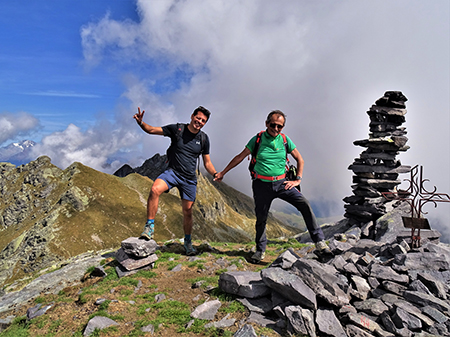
(417, 196)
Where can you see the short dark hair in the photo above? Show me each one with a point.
(276, 112)
(203, 110)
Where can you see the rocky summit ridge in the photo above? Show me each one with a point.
(367, 287)
(48, 215)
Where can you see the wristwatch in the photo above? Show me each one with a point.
(298, 178)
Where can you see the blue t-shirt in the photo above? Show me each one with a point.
(185, 150)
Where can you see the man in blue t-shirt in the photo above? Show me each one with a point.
(187, 143)
(269, 181)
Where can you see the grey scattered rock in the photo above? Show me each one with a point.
(223, 323)
(37, 310)
(6, 322)
(328, 323)
(98, 322)
(160, 298)
(286, 259)
(246, 331)
(435, 314)
(300, 320)
(100, 301)
(262, 320)
(148, 328)
(177, 268)
(139, 247)
(262, 305)
(290, 285)
(206, 310)
(243, 283)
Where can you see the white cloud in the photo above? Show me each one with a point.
(93, 148)
(54, 93)
(13, 125)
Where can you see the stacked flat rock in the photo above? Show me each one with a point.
(367, 288)
(377, 168)
(135, 254)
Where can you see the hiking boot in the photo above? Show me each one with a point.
(322, 247)
(258, 256)
(189, 249)
(148, 232)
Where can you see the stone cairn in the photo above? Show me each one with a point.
(134, 255)
(377, 169)
(368, 288)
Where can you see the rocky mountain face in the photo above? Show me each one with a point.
(48, 215)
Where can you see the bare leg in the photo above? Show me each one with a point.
(158, 188)
(187, 216)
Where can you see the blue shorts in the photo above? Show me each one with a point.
(186, 187)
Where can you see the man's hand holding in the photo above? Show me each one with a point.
(218, 176)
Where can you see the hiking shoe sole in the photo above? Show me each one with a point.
(145, 236)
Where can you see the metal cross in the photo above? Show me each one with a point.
(417, 196)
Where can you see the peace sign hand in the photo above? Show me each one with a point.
(139, 116)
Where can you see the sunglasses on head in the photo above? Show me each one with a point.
(276, 126)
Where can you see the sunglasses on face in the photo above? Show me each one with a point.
(276, 126)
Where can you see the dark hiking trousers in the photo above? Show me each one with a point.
(264, 193)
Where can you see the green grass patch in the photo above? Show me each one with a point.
(214, 332)
(172, 264)
(55, 325)
(18, 328)
(198, 263)
(128, 281)
(291, 243)
(196, 327)
(145, 274)
(209, 280)
(126, 292)
(169, 312)
(237, 262)
(39, 300)
(104, 313)
(233, 306)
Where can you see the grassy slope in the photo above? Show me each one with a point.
(130, 301)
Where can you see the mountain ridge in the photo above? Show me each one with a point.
(48, 214)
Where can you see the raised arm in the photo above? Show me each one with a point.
(153, 130)
(233, 163)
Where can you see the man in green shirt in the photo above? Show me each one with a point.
(269, 181)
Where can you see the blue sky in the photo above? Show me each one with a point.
(72, 74)
(41, 62)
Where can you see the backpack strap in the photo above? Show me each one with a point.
(251, 166)
(202, 142)
(180, 130)
(286, 148)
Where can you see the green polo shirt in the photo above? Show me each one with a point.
(271, 156)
